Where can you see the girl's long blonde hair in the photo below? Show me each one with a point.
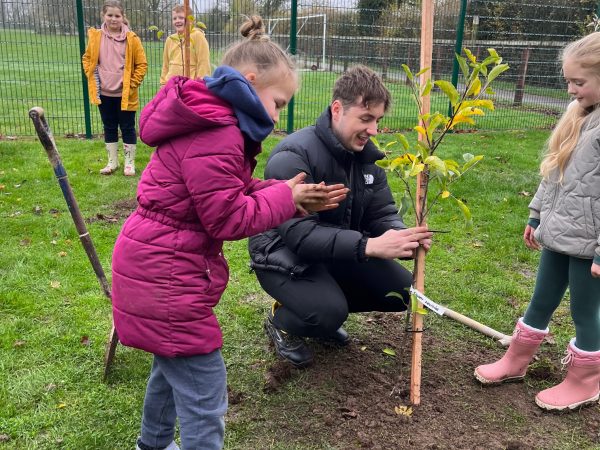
(562, 142)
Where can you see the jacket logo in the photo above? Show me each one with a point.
(368, 178)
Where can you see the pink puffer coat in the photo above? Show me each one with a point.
(168, 270)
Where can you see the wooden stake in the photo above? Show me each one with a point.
(186, 39)
(422, 182)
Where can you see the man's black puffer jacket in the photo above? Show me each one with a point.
(338, 234)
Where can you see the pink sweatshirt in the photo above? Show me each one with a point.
(111, 62)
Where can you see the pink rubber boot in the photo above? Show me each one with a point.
(580, 387)
(513, 365)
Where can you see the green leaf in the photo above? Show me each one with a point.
(471, 162)
(160, 34)
(490, 91)
(414, 302)
(153, 28)
(423, 149)
(462, 63)
(403, 141)
(497, 71)
(405, 205)
(376, 142)
(408, 73)
(421, 72)
(201, 25)
(427, 89)
(466, 213)
(389, 351)
(448, 89)
(436, 164)
(394, 294)
(383, 163)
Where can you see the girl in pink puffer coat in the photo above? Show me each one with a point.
(197, 191)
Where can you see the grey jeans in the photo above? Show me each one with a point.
(193, 389)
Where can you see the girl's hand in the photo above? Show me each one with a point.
(315, 197)
(596, 270)
(529, 238)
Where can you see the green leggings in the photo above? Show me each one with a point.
(556, 272)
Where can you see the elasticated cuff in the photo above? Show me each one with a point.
(362, 250)
(534, 223)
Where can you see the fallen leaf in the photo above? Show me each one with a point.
(403, 410)
(19, 343)
(53, 242)
(55, 284)
(62, 254)
(4, 438)
(37, 210)
(2, 187)
(389, 351)
(363, 348)
(25, 242)
(525, 194)
(85, 340)
(50, 387)
(61, 405)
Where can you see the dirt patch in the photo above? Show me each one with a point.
(363, 399)
(119, 211)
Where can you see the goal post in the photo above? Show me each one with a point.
(302, 21)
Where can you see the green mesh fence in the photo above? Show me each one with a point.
(40, 52)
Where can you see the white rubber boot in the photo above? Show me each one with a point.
(112, 148)
(129, 151)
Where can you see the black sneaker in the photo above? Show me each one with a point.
(340, 337)
(287, 346)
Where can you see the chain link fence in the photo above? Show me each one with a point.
(41, 42)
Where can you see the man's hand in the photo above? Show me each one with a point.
(529, 238)
(398, 243)
(315, 197)
(595, 270)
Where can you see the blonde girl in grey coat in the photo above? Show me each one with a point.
(564, 222)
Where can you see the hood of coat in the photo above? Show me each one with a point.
(232, 86)
(181, 107)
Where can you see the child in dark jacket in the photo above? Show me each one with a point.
(169, 271)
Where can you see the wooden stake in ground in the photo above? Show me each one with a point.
(186, 39)
(421, 194)
(45, 135)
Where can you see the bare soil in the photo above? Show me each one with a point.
(364, 394)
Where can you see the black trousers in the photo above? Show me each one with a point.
(318, 303)
(113, 118)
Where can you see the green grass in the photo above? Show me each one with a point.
(45, 70)
(54, 319)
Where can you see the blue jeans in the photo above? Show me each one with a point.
(193, 389)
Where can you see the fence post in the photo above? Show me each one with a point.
(520, 87)
(293, 31)
(460, 29)
(84, 84)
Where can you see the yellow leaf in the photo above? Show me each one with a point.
(461, 118)
(445, 194)
(61, 405)
(419, 129)
(363, 348)
(417, 169)
(55, 284)
(403, 410)
(62, 254)
(160, 34)
(475, 88)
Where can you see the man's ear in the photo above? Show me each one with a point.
(251, 77)
(337, 109)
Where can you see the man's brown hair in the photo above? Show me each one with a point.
(361, 83)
